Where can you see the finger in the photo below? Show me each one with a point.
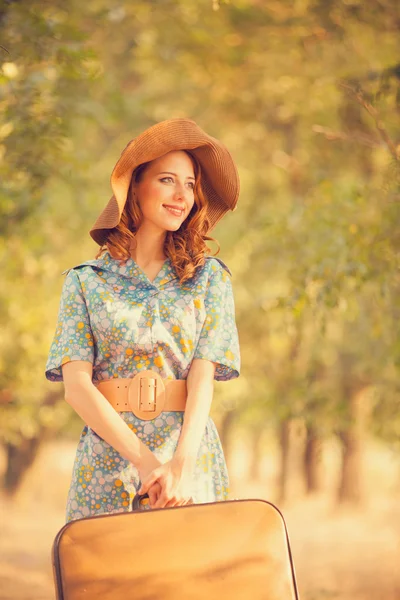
(162, 500)
(154, 493)
(152, 496)
(146, 485)
(172, 503)
(148, 482)
(185, 502)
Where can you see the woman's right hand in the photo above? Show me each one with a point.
(148, 464)
(175, 484)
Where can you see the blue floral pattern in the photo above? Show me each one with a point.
(112, 315)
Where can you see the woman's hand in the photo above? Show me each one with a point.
(150, 462)
(175, 481)
(154, 493)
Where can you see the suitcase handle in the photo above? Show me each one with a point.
(137, 499)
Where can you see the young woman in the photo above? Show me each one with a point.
(145, 328)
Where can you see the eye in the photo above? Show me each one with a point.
(191, 185)
(163, 179)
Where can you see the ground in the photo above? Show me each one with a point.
(339, 553)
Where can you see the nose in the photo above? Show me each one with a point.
(180, 192)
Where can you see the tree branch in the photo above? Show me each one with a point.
(359, 96)
(330, 134)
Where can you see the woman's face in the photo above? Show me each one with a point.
(165, 191)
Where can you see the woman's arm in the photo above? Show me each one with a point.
(100, 416)
(200, 385)
(175, 477)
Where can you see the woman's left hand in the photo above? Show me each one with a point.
(175, 482)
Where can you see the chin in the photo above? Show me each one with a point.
(173, 225)
(170, 224)
(174, 228)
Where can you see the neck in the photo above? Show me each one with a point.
(149, 246)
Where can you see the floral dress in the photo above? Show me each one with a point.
(112, 315)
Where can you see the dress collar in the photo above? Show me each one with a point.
(132, 270)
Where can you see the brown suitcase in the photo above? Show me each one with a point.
(238, 550)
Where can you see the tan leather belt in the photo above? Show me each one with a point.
(147, 394)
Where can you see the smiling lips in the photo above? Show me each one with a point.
(174, 210)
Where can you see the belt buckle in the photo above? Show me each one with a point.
(146, 395)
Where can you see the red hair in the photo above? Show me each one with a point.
(186, 248)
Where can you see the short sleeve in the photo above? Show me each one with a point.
(218, 340)
(73, 339)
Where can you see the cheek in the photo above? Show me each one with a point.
(149, 198)
(190, 203)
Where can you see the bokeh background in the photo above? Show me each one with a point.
(306, 95)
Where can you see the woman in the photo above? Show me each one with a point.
(145, 328)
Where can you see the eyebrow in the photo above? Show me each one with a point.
(175, 175)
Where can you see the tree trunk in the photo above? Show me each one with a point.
(22, 456)
(350, 479)
(256, 454)
(312, 460)
(284, 443)
(352, 440)
(19, 459)
(225, 430)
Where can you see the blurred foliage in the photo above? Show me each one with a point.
(306, 96)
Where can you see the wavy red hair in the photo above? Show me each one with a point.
(186, 248)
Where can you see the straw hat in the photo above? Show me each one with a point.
(219, 182)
